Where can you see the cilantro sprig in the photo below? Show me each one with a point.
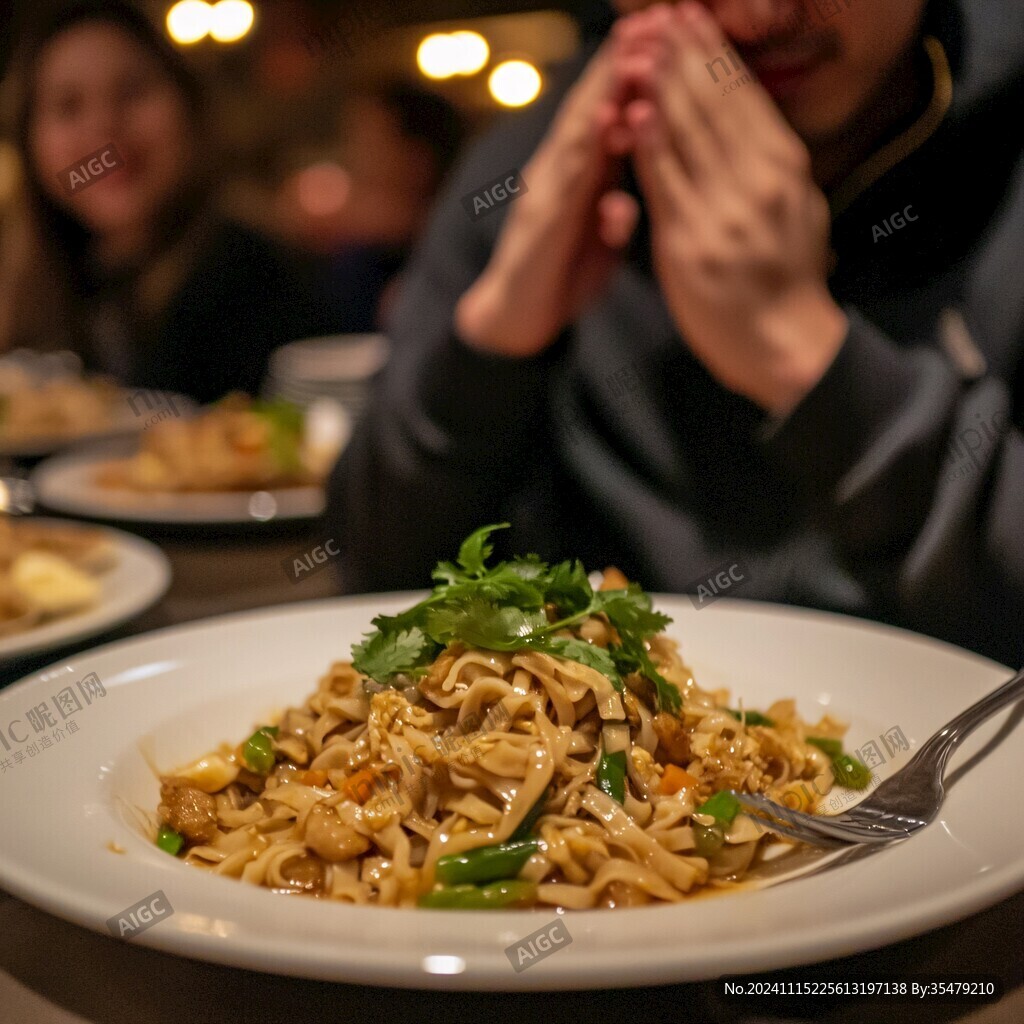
(504, 607)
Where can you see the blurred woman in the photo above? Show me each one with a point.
(118, 251)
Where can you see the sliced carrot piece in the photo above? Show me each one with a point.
(314, 777)
(362, 785)
(675, 779)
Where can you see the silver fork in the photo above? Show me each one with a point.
(904, 803)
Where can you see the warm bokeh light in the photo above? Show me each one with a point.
(445, 54)
(515, 83)
(437, 56)
(189, 21)
(471, 52)
(323, 189)
(231, 19)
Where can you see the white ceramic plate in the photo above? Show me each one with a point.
(67, 483)
(138, 579)
(174, 694)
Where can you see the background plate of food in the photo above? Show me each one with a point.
(47, 403)
(239, 792)
(238, 461)
(61, 582)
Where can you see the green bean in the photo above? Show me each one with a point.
(834, 748)
(525, 829)
(258, 750)
(169, 841)
(723, 807)
(512, 892)
(708, 839)
(485, 864)
(849, 772)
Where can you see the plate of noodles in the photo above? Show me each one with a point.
(61, 582)
(47, 403)
(237, 461)
(431, 790)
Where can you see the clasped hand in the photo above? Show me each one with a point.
(739, 228)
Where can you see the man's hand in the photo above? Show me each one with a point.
(564, 236)
(739, 228)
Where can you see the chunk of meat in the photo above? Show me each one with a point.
(188, 810)
(674, 739)
(305, 873)
(330, 838)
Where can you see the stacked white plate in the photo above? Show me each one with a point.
(340, 367)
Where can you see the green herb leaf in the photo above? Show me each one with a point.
(668, 695)
(629, 611)
(383, 655)
(569, 589)
(504, 608)
(485, 624)
(475, 550)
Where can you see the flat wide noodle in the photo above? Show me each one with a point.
(369, 790)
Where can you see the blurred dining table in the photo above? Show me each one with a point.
(52, 972)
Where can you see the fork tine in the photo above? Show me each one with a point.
(800, 834)
(841, 827)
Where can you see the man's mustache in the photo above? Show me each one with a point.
(783, 47)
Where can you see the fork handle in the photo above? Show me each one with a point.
(944, 742)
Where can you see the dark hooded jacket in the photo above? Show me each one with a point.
(895, 490)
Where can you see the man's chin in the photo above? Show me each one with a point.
(814, 121)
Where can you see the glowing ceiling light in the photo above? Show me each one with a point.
(515, 83)
(437, 56)
(231, 20)
(471, 52)
(189, 21)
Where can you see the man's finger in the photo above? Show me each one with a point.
(667, 187)
(742, 116)
(618, 214)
